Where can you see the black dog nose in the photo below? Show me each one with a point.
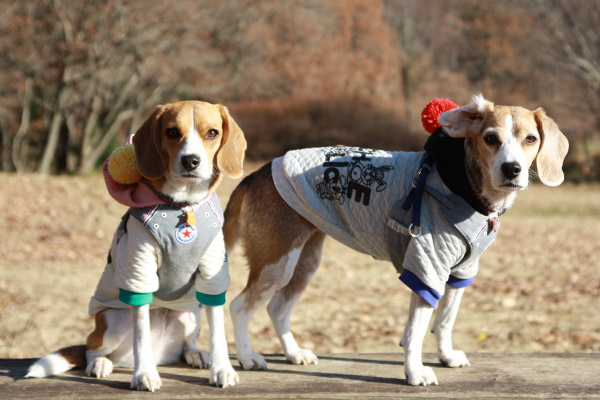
(511, 169)
(190, 162)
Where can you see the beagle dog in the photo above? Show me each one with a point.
(167, 259)
(367, 200)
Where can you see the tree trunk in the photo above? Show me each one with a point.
(406, 91)
(24, 128)
(72, 156)
(6, 145)
(52, 143)
(89, 132)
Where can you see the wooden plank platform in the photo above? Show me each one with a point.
(492, 376)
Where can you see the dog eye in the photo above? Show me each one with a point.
(530, 139)
(173, 133)
(212, 133)
(491, 139)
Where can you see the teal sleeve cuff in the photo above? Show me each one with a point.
(135, 299)
(211, 299)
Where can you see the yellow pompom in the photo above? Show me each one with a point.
(122, 166)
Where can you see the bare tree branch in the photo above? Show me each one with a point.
(92, 158)
(582, 58)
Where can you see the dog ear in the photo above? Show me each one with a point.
(466, 121)
(151, 159)
(553, 149)
(230, 157)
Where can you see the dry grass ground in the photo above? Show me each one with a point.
(538, 287)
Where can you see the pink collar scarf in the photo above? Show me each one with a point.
(136, 195)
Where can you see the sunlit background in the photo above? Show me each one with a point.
(77, 77)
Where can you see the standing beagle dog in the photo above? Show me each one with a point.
(167, 257)
(432, 214)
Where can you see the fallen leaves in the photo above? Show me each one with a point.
(538, 288)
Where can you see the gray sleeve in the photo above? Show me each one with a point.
(212, 277)
(432, 255)
(465, 271)
(138, 256)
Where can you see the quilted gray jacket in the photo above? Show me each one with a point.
(355, 195)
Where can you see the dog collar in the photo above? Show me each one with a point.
(180, 204)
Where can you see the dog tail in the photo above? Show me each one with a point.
(235, 214)
(232, 228)
(58, 362)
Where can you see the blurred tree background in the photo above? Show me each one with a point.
(76, 77)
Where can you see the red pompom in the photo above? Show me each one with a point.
(431, 112)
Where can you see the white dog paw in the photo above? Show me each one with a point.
(422, 376)
(223, 376)
(252, 361)
(197, 358)
(454, 359)
(99, 367)
(302, 357)
(148, 380)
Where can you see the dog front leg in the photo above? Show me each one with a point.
(442, 328)
(191, 329)
(412, 341)
(221, 372)
(145, 375)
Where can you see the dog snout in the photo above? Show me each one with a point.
(190, 162)
(511, 169)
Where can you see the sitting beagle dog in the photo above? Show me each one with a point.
(432, 214)
(167, 257)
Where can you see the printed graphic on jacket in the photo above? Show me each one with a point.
(351, 179)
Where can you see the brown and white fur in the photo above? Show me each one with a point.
(183, 150)
(283, 249)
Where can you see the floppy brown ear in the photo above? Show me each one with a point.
(553, 150)
(467, 120)
(151, 159)
(230, 158)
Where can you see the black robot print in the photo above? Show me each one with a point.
(351, 179)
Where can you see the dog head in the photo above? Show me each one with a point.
(184, 148)
(505, 141)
